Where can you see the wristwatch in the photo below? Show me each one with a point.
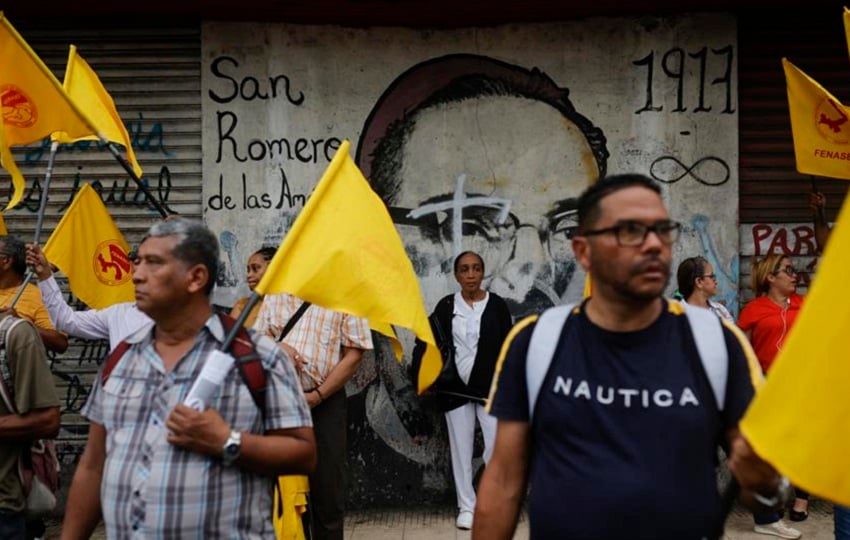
(780, 497)
(232, 448)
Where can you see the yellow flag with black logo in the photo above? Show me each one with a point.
(92, 252)
(820, 125)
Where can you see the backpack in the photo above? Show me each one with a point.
(242, 349)
(705, 326)
(38, 466)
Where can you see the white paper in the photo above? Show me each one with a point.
(209, 380)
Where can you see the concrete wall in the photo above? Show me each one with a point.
(477, 139)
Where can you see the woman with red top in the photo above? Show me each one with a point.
(767, 320)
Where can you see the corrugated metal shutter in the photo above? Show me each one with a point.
(774, 198)
(153, 75)
(771, 190)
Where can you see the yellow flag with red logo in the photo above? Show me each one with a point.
(820, 125)
(85, 88)
(92, 252)
(34, 103)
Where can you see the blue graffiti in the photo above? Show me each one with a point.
(152, 141)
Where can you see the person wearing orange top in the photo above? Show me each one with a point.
(767, 320)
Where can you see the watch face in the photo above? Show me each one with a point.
(231, 450)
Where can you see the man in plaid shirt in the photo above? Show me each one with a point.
(326, 347)
(155, 468)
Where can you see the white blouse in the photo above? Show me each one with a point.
(466, 328)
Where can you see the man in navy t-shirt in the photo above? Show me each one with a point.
(623, 438)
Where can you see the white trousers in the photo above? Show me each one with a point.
(461, 424)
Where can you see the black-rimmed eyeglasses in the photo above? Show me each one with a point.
(710, 276)
(634, 233)
(790, 270)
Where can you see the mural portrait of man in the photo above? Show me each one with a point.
(469, 153)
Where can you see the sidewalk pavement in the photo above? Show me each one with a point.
(439, 524)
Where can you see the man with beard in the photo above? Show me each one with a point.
(627, 421)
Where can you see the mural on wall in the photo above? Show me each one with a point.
(475, 139)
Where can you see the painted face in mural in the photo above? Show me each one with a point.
(499, 177)
(490, 164)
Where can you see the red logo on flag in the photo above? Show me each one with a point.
(112, 266)
(18, 109)
(831, 122)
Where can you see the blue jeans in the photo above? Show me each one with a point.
(768, 518)
(842, 523)
(13, 526)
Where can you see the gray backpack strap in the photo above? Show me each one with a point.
(541, 349)
(708, 336)
(7, 386)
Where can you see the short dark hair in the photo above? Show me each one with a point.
(464, 253)
(686, 275)
(453, 79)
(16, 250)
(196, 244)
(588, 202)
(266, 252)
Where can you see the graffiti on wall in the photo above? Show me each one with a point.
(794, 240)
(485, 151)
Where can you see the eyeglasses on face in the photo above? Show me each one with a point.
(790, 270)
(710, 276)
(634, 233)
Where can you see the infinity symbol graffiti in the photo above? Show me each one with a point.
(689, 171)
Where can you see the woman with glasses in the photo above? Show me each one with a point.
(767, 320)
(697, 284)
(469, 327)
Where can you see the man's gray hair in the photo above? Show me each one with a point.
(196, 244)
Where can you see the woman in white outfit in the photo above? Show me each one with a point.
(698, 283)
(469, 327)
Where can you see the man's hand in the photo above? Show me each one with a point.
(199, 432)
(751, 471)
(38, 262)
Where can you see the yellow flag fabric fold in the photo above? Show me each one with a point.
(820, 125)
(34, 103)
(89, 249)
(3, 230)
(847, 27)
(800, 419)
(344, 253)
(85, 88)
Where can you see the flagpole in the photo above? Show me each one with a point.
(42, 205)
(228, 339)
(133, 175)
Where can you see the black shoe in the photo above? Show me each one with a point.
(794, 515)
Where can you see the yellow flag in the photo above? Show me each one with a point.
(344, 253)
(85, 88)
(3, 231)
(820, 125)
(92, 252)
(800, 419)
(34, 103)
(588, 287)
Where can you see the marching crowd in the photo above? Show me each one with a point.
(611, 409)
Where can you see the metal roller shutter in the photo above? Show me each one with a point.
(153, 75)
(774, 198)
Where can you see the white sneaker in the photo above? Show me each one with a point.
(780, 529)
(464, 520)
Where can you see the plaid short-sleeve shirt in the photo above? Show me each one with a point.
(151, 489)
(318, 336)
